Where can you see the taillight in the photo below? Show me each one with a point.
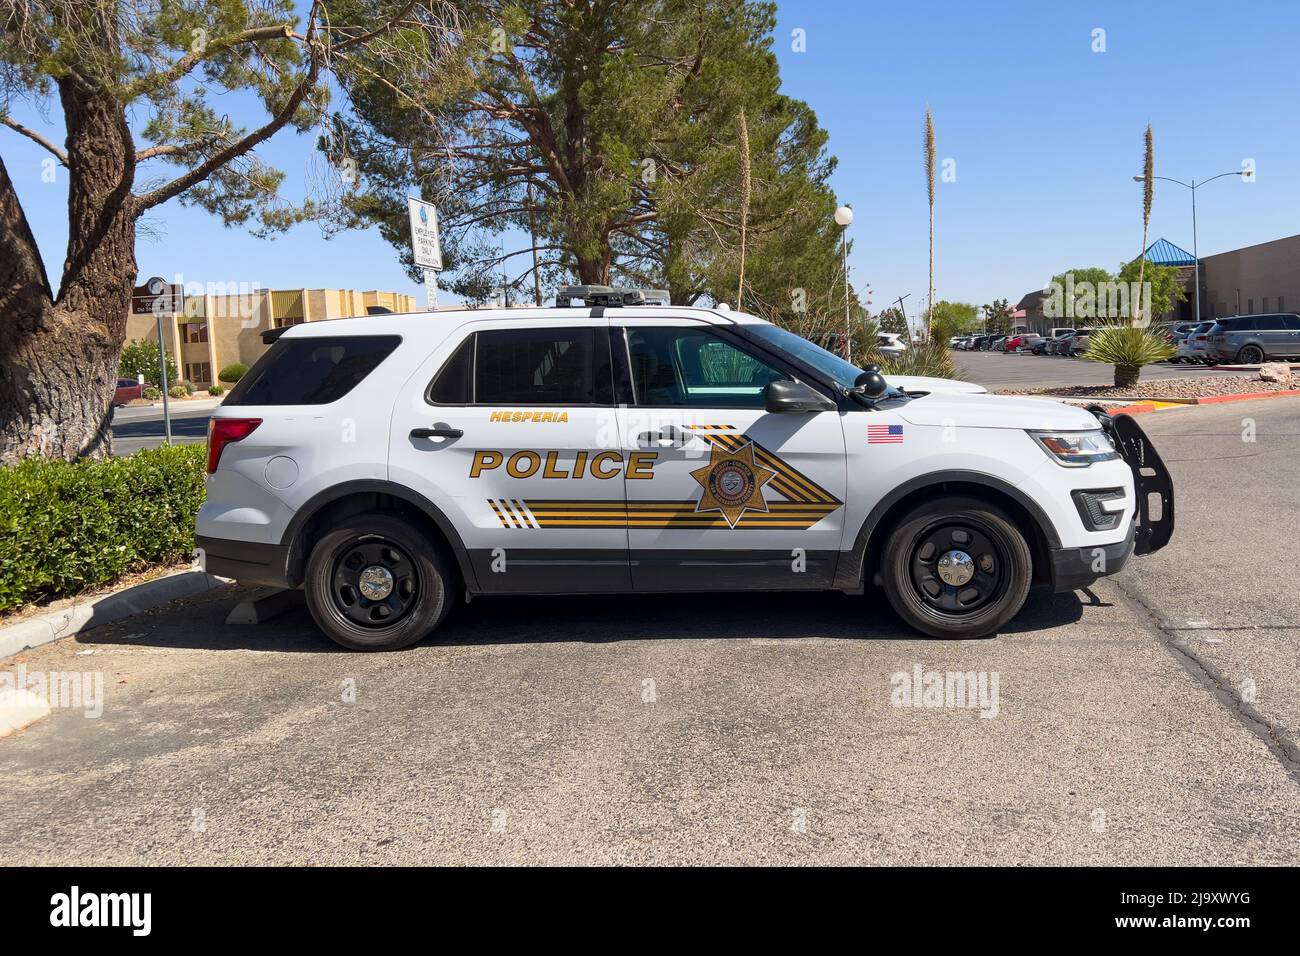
(222, 431)
(1201, 338)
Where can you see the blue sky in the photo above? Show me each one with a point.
(1043, 132)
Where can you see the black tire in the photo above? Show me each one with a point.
(420, 583)
(1002, 568)
(1250, 355)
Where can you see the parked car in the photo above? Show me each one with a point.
(127, 391)
(1252, 339)
(979, 343)
(891, 343)
(1056, 346)
(1175, 333)
(1193, 344)
(1078, 342)
(1023, 342)
(1040, 345)
(489, 471)
(998, 343)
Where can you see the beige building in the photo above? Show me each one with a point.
(205, 333)
(1259, 278)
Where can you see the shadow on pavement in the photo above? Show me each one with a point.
(200, 623)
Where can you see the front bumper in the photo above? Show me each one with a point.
(1074, 568)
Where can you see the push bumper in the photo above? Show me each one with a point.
(248, 562)
(1152, 483)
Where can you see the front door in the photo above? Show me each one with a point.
(508, 429)
(720, 493)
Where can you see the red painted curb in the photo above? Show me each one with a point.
(1246, 396)
(1135, 409)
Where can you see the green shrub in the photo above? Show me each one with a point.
(232, 373)
(69, 526)
(178, 391)
(151, 393)
(216, 390)
(1127, 348)
(140, 357)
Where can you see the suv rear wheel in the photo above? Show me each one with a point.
(377, 583)
(1250, 355)
(956, 568)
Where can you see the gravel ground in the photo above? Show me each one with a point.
(1163, 388)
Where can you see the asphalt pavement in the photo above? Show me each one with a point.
(142, 426)
(1151, 720)
(1002, 370)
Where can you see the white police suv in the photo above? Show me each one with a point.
(388, 464)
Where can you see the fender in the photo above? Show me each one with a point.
(848, 575)
(379, 486)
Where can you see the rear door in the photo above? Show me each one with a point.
(720, 493)
(504, 425)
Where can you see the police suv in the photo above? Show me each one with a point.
(391, 463)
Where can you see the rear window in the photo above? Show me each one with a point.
(546, 366)
(311, 371)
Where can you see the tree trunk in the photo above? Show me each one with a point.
(58, 356)
(1126, 376)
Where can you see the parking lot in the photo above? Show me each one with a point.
(1151, 720)
(1002, 370)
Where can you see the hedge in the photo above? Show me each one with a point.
(232, 373)
(69, 526)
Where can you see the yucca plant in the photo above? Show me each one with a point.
(1128, 348)
(929, 186)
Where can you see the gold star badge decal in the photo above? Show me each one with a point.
(733, 483)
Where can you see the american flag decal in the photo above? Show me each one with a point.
(884, 434)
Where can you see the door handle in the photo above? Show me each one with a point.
(436, 433)
(664, 438)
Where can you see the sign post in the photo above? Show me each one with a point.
(425, 247)
(157, 296)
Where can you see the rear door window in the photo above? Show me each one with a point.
(314, 370)
(546, 366)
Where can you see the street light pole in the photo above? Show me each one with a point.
(1196, 255)
(844, 216)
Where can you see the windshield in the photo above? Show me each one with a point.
(827, 363)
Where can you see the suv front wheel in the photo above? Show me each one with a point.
(956, 568)
(376, 583)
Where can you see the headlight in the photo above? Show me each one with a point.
(1076, 449)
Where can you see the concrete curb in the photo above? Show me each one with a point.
(46, 628)
(1247, 396)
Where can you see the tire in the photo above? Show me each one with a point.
(1250, 355)
(909, 575)
(420, 583)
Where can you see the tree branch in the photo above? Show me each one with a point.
(37, 138)
(235, 150)
(156, 81)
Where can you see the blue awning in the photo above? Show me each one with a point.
(1164, 253)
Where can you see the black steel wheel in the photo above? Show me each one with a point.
(376, 582)
(956, 567)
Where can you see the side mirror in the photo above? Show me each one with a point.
(871, 384)
(795, 397)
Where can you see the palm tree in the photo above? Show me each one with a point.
(1148, 196)
(929, 182)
